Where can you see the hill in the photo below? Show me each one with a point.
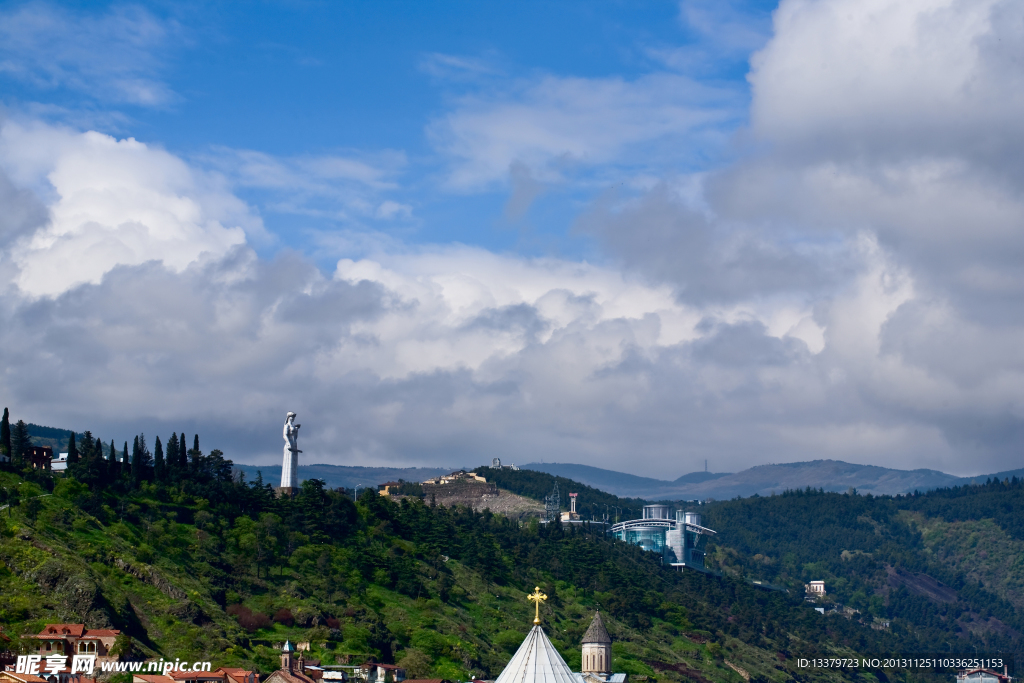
(763, 480)
(194, 564)
(948, 561)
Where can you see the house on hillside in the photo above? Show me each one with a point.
(372, 672)
(60, 463)
(814, 589)
(75, 639)
(39, 457)
(388, 488)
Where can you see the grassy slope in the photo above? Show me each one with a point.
(980, 550)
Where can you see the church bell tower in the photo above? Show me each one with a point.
(597, 648)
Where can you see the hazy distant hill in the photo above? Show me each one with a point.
(830, 475)
(344, 476)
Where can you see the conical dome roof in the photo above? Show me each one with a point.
(597, 633)
(536, 661)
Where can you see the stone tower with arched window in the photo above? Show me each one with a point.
(597, 648)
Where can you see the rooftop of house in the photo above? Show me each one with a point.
(74, 630)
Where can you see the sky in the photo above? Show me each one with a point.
(634, 235)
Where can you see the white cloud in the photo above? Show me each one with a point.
(554, 124)
(113, 202)
(114, 56)
(344, 187)
(850, 289)
(881, 78)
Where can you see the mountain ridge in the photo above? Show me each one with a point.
(765, 480)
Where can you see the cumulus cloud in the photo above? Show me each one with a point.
(114, 56)
(112, 202)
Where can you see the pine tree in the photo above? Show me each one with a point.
(85, 449)
(5, 434)
(20, 441)
(141, 460)
(196, 457)
(158, 461)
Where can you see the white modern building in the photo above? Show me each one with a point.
(677, 535)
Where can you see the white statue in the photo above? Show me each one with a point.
(290, 466)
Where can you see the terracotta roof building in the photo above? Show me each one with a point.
(75, 639)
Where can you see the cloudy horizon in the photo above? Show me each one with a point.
(633, 237)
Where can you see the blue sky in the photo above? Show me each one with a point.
(375, 82)
(650, 233)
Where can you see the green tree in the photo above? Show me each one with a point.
(182, 454)
(72, 450)
(19, 441)
(158, 460)
(172, 454)
(112, 466)
(142, 460)
(5, 434)
(195, 456)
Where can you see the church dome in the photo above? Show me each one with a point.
(537, 661)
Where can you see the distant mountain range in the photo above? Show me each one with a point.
(764, 480)
(830, 475)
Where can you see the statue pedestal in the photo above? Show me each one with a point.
(285, 491)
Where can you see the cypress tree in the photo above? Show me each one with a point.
(72, 450)
(195, 453)
(158, 461)
(112, 469)
(5, 434)
(125, 463)
(172, 452)
(183, 453)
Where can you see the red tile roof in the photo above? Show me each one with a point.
(193, 675)
(101, 633)
(75, 630)
(25, 678)
(288, 677)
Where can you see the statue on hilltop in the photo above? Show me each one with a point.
(290, 466)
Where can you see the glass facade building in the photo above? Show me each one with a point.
(674, 534)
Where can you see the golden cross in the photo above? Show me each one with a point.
(537, 597)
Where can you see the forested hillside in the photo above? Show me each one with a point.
(193, 564)
(941, 564)
(941, 570)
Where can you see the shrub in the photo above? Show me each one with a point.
(284, 616)
(247, 619)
